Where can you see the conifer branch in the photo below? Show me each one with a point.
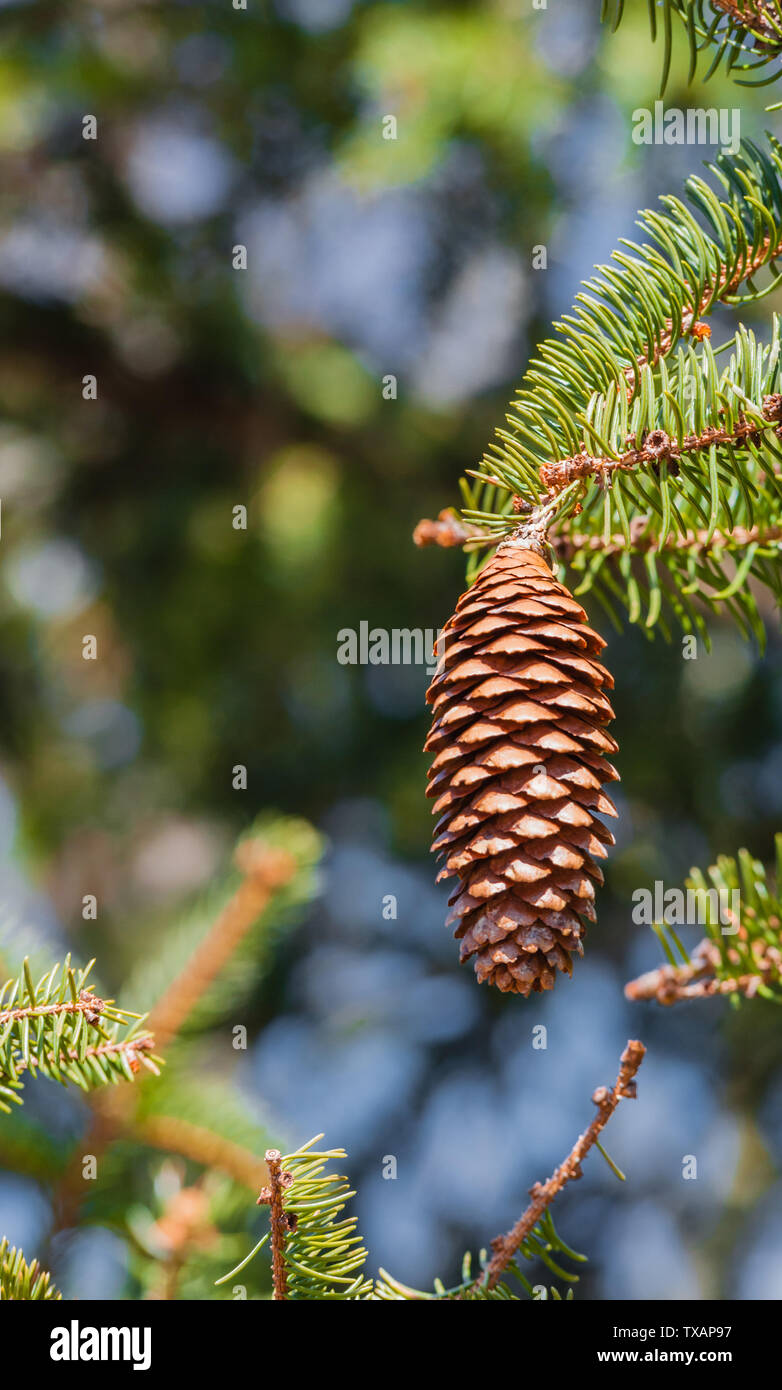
(628, 439)
(266, 869)
(658, 447)
(744, 35)
(317, 1253)
(700, 978)
(722, 287)
(741, 954)
(568, 545)
(62, 1030)
(59, 1028)
(542, 1194)
(130, 1053)
(87, 1003)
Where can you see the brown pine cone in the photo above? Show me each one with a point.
(519, 743)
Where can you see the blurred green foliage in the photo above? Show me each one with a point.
(220, 388)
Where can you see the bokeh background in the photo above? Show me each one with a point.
(263, 388)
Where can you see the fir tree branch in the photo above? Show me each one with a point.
(658, 447)
(62, 1030)
(741, 955)
(250, 949)
(619, 429)
(128, 1052)
(692, 451)
(758, 15)
(317, 1254)
(87, 1003)
(541, 1244)
(566, 546)
(745, 34)
(169, 1117)
(542, 1194)
(266, 870)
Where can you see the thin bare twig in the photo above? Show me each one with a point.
(543, 1194)
(670, 984)
(447, 531)
(273, 1196)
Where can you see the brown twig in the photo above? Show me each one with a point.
(265, 869)
(657, 447)
(273, 1196)
(87, 1003)
(569, 543)
(542, 1194)
(130, 1047)
(204, 1147)
(758, 20)
(670, 984)
(447, 530)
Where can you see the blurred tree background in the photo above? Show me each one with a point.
(262, 387)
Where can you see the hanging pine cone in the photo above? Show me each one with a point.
(518, 739)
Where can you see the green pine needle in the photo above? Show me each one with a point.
(666, 538)
(20, 1281)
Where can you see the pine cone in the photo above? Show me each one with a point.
(518, 739)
